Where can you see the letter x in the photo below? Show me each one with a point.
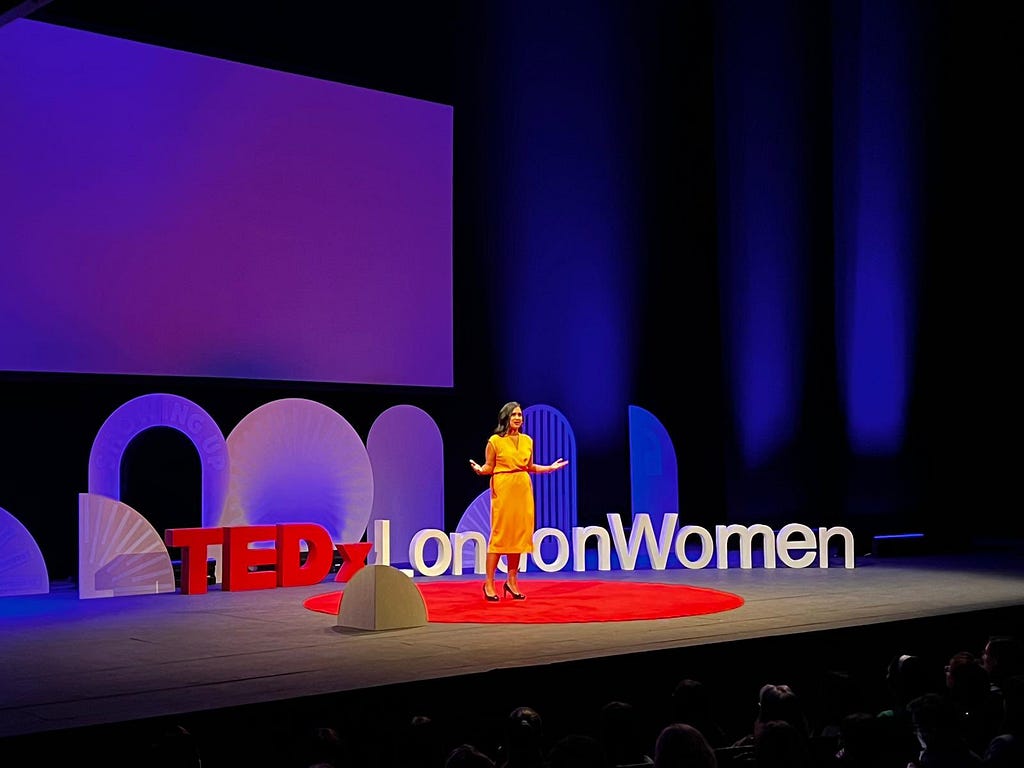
(353, 557)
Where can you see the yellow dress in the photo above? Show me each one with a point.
(512, 506)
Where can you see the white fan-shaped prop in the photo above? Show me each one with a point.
(22, 568)
(298, 461)
(119, 551)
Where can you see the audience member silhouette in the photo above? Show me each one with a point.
(577, 751)
(780, 744)
(1006, 748)
(318, 745)
(173, 747)
(937, 728)
(523, 743)
(967, 687)
(622, 735)
(869, 741)
(421, 744)
(1002, 657)
(680, 745)
(691, 702)
(834, 695)
(838, 694)
(908, 677)
(468, 756)
(777, 702)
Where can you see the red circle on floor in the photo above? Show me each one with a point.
(557, 602)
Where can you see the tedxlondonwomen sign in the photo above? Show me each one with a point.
(282, 564)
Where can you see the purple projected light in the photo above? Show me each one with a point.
(174, 214)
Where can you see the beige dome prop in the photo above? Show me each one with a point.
(381, 597)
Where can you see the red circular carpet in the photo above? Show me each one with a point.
(557, 602)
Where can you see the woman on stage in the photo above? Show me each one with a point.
(509, 462)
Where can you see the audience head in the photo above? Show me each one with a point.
(839, 694)
(780, 744)
(689, 699)
(936, 726)
(523, 742)
(174, 747)
(422, 743)
(577, 751)
(691, 702)
(1013, 706)
(680, 745)
(961, 657)
(1006, 749)
(780, 702)
(909, 676)
(966, 680)
(320, 745)
(869, 741)
(620, 731)
(1003, 657)
(468, 756)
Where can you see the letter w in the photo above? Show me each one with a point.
(658, 551)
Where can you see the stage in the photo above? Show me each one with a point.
(73, 666)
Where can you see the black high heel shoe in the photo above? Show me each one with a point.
(515, 595)
(490, 598)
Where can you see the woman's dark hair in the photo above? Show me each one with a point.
(504, 415)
